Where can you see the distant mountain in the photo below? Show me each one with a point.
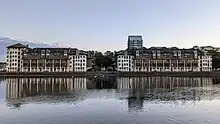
(4, 42)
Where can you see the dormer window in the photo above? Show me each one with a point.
(158, 53)
(126, 53)
(25, 52)
(154, 54)
(65, 52)
(48, 52)
(77, 52)
(175, 53)
(137, 53)
(195, 54)
(42, 52)
(179, 53)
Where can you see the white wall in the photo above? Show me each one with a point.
(80, 62)
(125, 63)
(14, 53)
(206, 62)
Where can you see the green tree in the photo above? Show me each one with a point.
(105, 60)
(215, 59)
(216, 62)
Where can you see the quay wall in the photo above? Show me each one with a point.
(110, 74)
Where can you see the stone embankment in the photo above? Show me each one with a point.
(109, 74)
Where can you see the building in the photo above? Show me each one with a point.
(21, 58)
(125, 61)
(14, 57)
(205, 61)
(163, 59)
(2, 66)
(135, 42)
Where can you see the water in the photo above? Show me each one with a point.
(146, 100)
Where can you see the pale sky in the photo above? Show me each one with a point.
(105, 24)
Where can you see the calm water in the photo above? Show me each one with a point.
(146, 100)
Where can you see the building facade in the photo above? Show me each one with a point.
(14, 57)
(125, 61)
(135, 42)
(21, 58)
(205, 61)
(164, 59)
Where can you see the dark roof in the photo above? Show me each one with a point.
(161, 49)
(18, 45)
(134, 37)
(54, 53)
(71, 51)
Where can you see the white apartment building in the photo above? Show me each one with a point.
(20, 58)
(164, 60)
(125, 63)
(14, 57)
(205, 62)
(80, 63)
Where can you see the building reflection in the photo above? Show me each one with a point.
(138, 89)
(163, 82)
(158, 88)
(24, 87)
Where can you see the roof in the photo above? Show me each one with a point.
(135, 37)
(71, 51)
(162, 50)
(18, 45)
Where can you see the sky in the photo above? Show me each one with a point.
(105, 24)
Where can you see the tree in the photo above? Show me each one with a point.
(215, 59)
(105, 60)
(215, 62)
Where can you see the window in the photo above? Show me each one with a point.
(42, 51)
(179, 53)
(175, 53)
(158, 53)
(154, 54)
(48, 52)
(65, 52)
(195, 54)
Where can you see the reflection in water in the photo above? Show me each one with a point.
(136, 90)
